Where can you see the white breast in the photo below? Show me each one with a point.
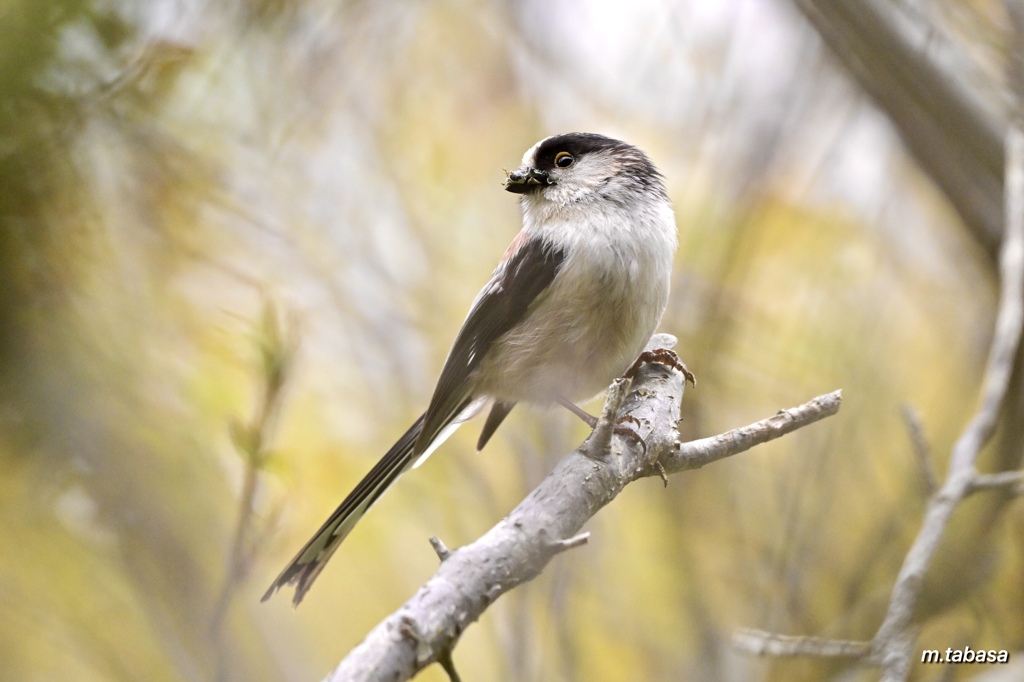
(600, 310)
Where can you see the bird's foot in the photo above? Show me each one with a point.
(663, 356)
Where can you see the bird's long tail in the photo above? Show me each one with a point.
(311, 559)
(410, 451)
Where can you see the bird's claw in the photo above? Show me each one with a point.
(663, 356)
(624, 429)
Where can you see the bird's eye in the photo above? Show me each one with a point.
(563, 159)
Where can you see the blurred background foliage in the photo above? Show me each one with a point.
(236, 239)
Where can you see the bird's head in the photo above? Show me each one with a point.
(582, 167)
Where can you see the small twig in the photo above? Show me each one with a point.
(560, 546)
(439, 548)
(446, 662)
(1004, 479)
(763, 643)
(922, 451)
(698, 453)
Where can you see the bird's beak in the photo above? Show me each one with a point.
(526, 180)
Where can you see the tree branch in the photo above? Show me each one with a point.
(893, 643)
(427, 627)
(938, 100)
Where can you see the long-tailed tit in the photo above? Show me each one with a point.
(572, 303)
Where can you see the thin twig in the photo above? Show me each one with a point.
(570, 543)
(439, 548)
(446, 662)
(922, 452)
(698, 453)
(1000, 481)
(762, 643)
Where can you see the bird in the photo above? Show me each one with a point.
(570, 306)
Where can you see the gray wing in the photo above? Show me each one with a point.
(502, 304)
